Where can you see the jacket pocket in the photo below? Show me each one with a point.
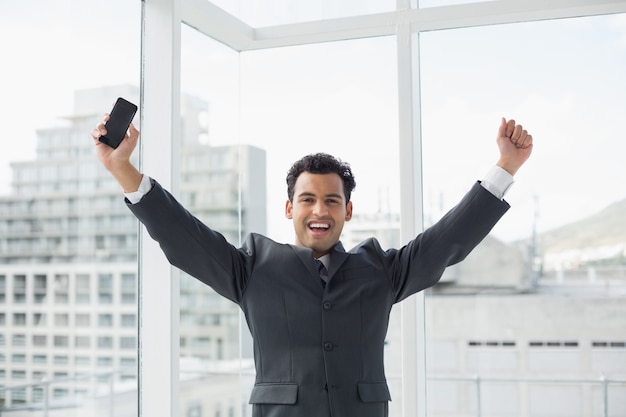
(274, 393)
(374, 391)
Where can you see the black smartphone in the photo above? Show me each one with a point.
(119, 119)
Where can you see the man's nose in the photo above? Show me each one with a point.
(320, 208)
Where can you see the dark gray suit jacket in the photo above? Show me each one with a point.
(318, 351)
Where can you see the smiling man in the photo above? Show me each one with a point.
(319, 189)
(318, 344)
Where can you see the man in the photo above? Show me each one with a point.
(318, 331)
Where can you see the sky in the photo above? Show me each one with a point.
(563, 80)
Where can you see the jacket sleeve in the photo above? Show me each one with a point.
(193, 247)
(421, 263)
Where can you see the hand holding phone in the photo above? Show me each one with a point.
(119, 120)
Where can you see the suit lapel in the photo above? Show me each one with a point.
(337, 257)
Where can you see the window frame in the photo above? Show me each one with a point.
(160, 105)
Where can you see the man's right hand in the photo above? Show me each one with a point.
(117, 161)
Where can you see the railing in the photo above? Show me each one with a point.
(478, 380)
(46, 405)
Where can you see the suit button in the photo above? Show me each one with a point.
(327, 305)
(328, 346)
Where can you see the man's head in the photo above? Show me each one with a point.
(319, 187)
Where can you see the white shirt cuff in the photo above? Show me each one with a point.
(497, 181)
(144, 186)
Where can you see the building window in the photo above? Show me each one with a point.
(105, 361)
(129, 289)
(128, 320)
(105, 342)
(83, 320)
(18, 340)
(19, 319)
(61, 360)
(105, 288)
(83, 288)
(19, 289)
(620, 344)
(40, 340)
(40, 288)
(40, 359)
(128, 362)
(39, 319)
(3, 284)
(60, 392)
(61, 341)
(61, 320)
(18, 358)
(105, 320)
(82, 341)
(82, 360)
(61, 285)
(128, 342)
(37, 395)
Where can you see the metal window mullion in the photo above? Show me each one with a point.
(159, 144)
(412, 309)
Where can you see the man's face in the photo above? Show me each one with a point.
(318, 211)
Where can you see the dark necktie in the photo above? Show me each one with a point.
(322, 271)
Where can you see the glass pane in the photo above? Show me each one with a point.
(68, 245)
(215, 186)
(535, 316)
(270, 12)
(336, 98)
(264, 110)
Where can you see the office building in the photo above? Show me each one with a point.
(68, 258)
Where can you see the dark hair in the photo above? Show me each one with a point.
(321, 163)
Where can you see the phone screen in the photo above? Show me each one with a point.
(119, 119)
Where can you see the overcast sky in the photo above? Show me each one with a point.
(562, 79)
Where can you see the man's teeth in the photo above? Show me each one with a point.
(319, 226)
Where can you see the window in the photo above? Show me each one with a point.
(128, 320)
(83, 289)
(128, 342)
(61, 287)
(61, 320)
(61, 360)
(346, 68)
(15, 374)
(128, 287)
(19, 289)
(82, 341)
(105, 288)
(105, 361)
(533, 277)
(19, 319)
(40, 359)
(40, 288)
(105, 320)
(83, 320)
(18, 340)
(61, 341)
(40, 340)
(105, 342)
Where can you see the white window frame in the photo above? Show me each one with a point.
(160, 104)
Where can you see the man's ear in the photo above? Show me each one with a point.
(349, 211)
(289, 210)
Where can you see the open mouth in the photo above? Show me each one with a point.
(319, 227)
